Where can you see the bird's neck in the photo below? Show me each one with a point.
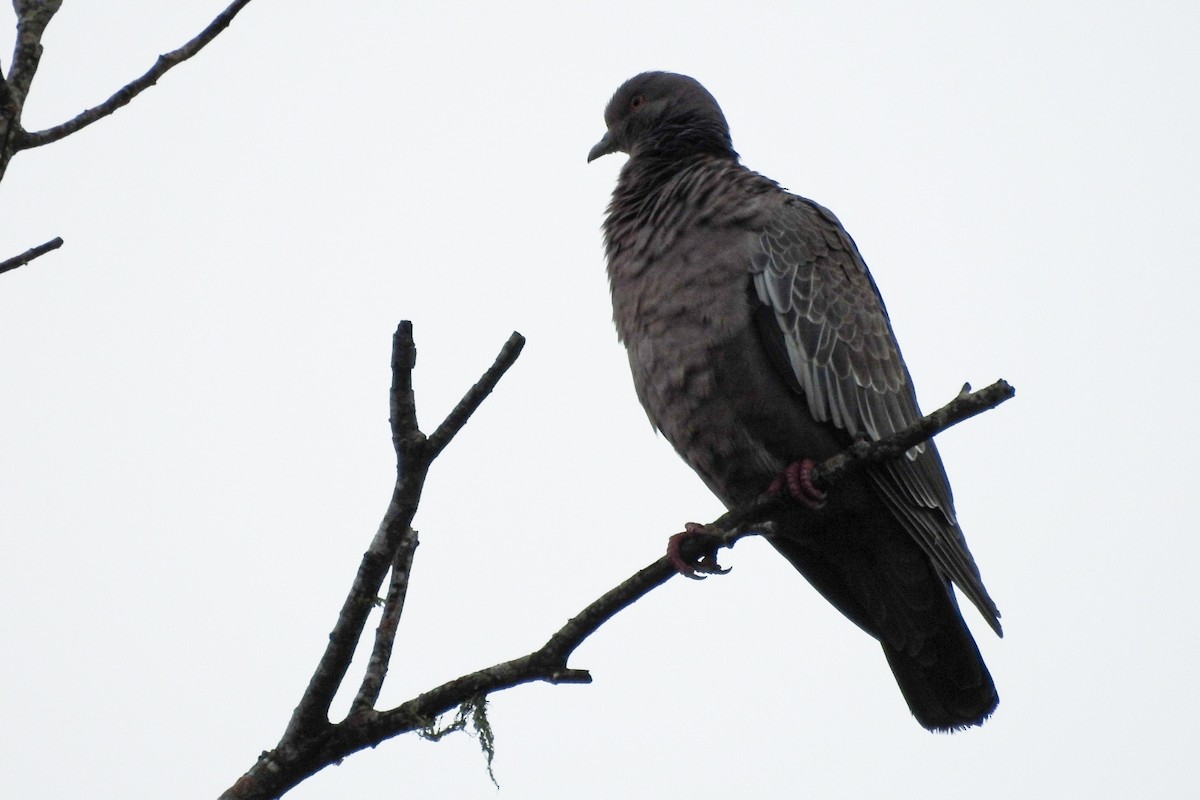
(647, 173)
(654, 200)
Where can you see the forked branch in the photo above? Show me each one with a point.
(27, 139)
(312, 742)
(32, 18)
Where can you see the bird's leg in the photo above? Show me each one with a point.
(694, 551)
(797, 477)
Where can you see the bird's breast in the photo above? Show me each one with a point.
(701, 373)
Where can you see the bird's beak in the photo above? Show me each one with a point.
(606, 145)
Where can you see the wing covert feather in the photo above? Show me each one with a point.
(844, 357)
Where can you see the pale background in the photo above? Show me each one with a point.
(194, 448)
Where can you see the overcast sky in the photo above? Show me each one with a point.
(194, 449)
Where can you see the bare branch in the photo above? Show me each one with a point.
(297, 758)
(403, 404)
(962, 408)
(413, 458)
(32, 18)
(549, 663)
(31, 254)
(385, 634)
(477, 394)
(25, 140)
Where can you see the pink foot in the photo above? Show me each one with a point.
(702, 555)
(797, 477)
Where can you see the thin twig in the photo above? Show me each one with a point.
(403, 405)
(31, 254)
(462, 412)
(738, 522)
(385, 634)
(283, 768)
(26, 139)
(963, 407)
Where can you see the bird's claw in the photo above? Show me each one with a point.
(701, 552)
(797, 477)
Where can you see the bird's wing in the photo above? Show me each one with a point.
(828, 330)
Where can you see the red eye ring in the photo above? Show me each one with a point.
(637, 102)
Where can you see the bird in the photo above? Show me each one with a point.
(758, 344)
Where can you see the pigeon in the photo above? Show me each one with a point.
(759, 343)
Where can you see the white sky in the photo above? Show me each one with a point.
(194, 448)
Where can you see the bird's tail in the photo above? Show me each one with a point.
(911, 611)
(943, 678)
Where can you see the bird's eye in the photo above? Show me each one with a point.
(637, 102)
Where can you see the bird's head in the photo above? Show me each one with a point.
(663, 114)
